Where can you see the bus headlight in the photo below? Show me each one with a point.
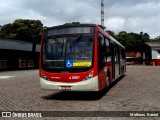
(44, 76)
(89, 76)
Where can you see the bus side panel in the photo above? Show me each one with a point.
(104, 61)
(105, 73)
(96, 52)
(40, 55)
(96, 55)
(102, 78)
(117, 70)
(109, 71)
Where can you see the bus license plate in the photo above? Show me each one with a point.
(65, 87)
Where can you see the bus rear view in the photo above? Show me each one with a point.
(67, 59)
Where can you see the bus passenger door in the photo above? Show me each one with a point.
(102, 65)
(113, 60)
(117, 63)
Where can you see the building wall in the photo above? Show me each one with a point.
(152, 53)
(155, 57)
(14, 59)
(16, 54)
(17, 45)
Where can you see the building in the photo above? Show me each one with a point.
(15, 54)
(133, 57)
(151, 53)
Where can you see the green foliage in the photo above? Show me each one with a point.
(132, 41)
(30, 30)
(22, 29)
(111, 33)
(73, 23)
(157, 39)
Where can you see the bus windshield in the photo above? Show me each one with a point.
(72, 51)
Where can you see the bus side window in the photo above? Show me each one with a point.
(116, 54)
(108, 51)
(102, 51)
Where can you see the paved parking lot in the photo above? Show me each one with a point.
(139, 90)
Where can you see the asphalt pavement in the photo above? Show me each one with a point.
(139, 90)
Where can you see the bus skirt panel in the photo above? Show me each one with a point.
(85, 85)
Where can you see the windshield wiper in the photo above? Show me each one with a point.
(76, 40)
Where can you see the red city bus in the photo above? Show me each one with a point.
(79, 58)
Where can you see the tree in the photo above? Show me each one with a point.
(22, 29)
(157, 39)
(122, 37)
(6, 32)
(111, 33)
(73, 23)
(132, 41)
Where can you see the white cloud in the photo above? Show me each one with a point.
(123, 15)
(115, 23)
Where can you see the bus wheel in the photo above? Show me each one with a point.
(123, 69)
(108, 81)
(108, 78)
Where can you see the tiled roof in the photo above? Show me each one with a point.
(153, 44)
(17, 45)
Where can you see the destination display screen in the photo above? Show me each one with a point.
(71, 30)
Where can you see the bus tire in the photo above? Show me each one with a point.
(107, 82)
(108, 78)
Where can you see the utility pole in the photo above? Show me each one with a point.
(102, 14)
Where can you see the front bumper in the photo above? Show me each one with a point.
(88, 85)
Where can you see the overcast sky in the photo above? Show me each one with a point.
(120, 15)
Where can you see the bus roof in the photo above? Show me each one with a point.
(71, 25)
(88, 25)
